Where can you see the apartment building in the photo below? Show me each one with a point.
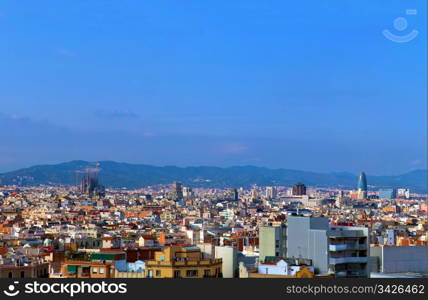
(182, 262)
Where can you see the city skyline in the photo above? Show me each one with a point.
(349, 172)
(118, 175)
(276, 85)
(213, 140)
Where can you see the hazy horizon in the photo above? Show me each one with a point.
(197, 166)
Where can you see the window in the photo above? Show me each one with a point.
(22, 274)
(71, 269)
(85, 270)
(162, 258)
(94, 270)
(192, 273)
(207, 273)
(176, 274)
(10, 275)
(158, 273)
(101, 270)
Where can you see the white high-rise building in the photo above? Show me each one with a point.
(271, 192)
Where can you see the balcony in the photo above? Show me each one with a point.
(348, 274)
(189, 263)
(347, 260)
(342, 247)
(346, 233)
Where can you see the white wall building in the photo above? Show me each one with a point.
(230, 260)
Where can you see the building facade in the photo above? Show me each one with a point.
(349, 251)
(272, 241)
(299, 189)
(182, 262)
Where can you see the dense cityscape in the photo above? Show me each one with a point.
(143, 143)
(177, 231)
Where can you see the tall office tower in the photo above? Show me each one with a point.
(299, 189)
(233, 195)
(271, 192)
(177, 191)
(362, 186)
(187, 192)
(272, 241)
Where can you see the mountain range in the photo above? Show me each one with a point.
(132, 176)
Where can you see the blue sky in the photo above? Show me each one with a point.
(309, 85)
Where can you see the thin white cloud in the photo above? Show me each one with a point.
(117, 113)
(66, 52)
(233, 148)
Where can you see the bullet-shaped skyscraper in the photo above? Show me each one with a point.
(362, 186)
